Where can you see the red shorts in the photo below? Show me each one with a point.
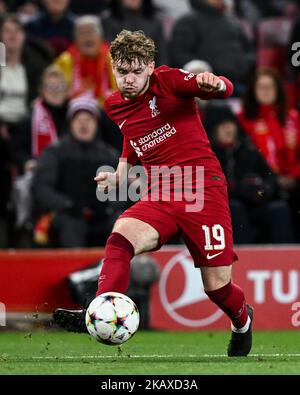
(207, 233)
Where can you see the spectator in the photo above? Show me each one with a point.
(3, 7)
(258, 212)
(15, 5)
(45, 124)
(14, 83)
(174, 8)
(135, 15)
(5, 183)
(27, 11)
(64, 182)
(210, 34)
(248, 11)
(275, 131)
(86, 64)
(55, 25)
(19, 79)
(273, 8)
(292, 8)
(91, 7)
(273, 128)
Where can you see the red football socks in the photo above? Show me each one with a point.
(231, 300)
(115, 272)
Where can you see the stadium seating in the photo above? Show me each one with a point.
(272, 40)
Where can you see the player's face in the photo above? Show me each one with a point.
(133, 79)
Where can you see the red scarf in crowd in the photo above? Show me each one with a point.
(91, 73)
(292, 143)
(42, 128)
(279, 144)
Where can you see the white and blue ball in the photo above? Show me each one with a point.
(112, 318)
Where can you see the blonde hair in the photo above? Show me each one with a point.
(129, 46)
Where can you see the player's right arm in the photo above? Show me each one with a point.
(106, 180)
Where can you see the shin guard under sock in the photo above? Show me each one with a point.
(231, 300)
(115, 272)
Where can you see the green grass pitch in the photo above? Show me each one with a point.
(49, 352)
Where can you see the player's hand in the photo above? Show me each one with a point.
(106, 181)
(208, 82)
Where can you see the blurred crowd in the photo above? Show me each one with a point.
(54, 133)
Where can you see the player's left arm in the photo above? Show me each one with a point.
(205, 85)
(211, 86)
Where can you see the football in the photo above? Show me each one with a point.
(112, 318)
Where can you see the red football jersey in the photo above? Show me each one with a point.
(162, 127)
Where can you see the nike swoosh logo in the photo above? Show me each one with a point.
(213, 256)
(121, 124)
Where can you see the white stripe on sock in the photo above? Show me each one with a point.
(243, 329)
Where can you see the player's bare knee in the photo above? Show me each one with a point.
(142, 236)
(146, 244)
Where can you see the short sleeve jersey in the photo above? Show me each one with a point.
(162, 127)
